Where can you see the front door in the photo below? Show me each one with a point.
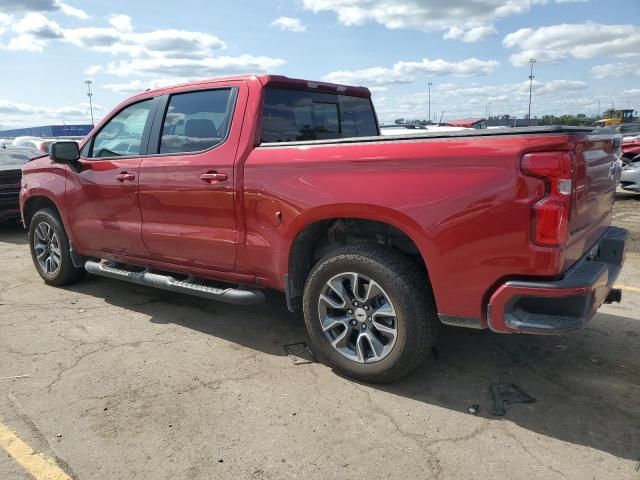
(104, 211)
(187, 189)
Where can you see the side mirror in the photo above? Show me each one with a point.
(64, 152)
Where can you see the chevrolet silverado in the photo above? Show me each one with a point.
(224, 188)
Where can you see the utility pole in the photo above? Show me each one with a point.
(429, 85)
(598, 114)
(89, 94)
(531, 61)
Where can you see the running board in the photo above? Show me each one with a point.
(235, 296)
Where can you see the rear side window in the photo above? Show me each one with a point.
(196, 121)
(298, 115)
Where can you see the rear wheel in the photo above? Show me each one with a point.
(370, 312)
(50, 249)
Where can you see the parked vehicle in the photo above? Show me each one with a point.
(630, 177)
(271, 182)
(479, 123)
(630, 148)
(628, 129)
(11, 161)
(615, 117)
(41, 144)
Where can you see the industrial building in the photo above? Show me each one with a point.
(48, 131)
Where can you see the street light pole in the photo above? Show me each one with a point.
(429, 84)
(531, 61)
(89, 94)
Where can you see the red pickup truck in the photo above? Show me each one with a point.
(224, 188)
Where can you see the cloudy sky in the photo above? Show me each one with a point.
(475, 52)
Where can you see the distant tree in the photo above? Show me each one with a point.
(398, 121)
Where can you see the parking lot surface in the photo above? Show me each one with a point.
(116, 381)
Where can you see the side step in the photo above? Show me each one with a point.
(235, 296)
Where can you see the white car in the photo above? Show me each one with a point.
(630, 176)
(41, 144)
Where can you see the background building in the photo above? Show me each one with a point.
(48, 131)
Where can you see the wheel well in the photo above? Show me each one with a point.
(34, 204)
(319, 238)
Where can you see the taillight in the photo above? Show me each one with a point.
(550, 215)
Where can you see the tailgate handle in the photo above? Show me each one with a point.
(213, 177)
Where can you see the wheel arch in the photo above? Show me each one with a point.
(35, 203)
(333, 228)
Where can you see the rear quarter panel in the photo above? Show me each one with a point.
(463, 201)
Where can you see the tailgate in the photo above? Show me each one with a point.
(597, 162)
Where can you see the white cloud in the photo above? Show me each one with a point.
(405, 72)
(585, 40)
(472, 35)
(162, 52)
(193, 68)
(33, 31)
(157, 43)
(619, 69)
(122, 23)
(289, 24)
(43, 6)
(72, 11)
(93, 70)
(16, 114)
(466, 20)
(135, 86)
(633, 92)
(5, 22)
(462, 101)
(39, 26)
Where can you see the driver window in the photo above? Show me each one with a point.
(122, 135)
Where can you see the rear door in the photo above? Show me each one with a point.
(187, 195)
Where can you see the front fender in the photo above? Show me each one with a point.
(44, 180)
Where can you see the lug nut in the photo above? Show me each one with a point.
(369, 318)
(364, 326)
(355, 304)
(349, 311)
(366, 307)
(353, 323)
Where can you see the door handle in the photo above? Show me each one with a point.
(125, 177)
(213, 177)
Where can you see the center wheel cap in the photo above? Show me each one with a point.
(360, 314)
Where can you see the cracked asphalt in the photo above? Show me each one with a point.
(126, 382)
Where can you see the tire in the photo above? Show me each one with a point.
(48, 238)
(404, 291)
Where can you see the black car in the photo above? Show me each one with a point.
(11, 161)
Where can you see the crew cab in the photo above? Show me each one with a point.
(227, 187)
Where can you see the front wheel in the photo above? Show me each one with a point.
(370, 312)
(50, 250)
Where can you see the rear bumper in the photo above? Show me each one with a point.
(552, 307)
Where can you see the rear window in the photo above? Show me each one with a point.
(298, 115)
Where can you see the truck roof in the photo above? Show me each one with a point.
(273, 80)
